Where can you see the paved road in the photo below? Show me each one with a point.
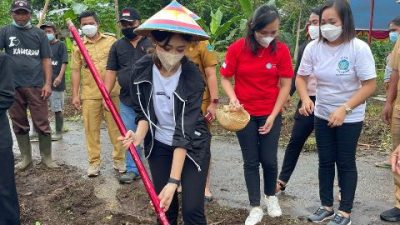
(374, 192)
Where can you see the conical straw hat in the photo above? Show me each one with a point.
(174, 18)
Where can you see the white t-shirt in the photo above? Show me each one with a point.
(339, 71)
(163, 102)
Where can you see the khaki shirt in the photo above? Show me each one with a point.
(202, 54)
(98, 51)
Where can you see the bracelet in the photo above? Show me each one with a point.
(174, 181)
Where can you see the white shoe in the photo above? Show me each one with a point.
(255, 216)
(274, 210)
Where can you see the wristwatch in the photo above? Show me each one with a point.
(174, 181)
(348, 109)
(215, 101)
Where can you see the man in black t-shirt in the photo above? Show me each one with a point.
(59, 63)
(30, 64)
(9, 207)
(123, 55)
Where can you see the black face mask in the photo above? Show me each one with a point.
(128, 33)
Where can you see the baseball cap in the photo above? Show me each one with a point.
(129, 14)
(21, 4)
(48, 24)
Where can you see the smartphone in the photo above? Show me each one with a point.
(208, 117)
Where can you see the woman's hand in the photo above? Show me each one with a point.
(336, 118)
(267, 126)
(307, 107)
(130, 138)
(166, 195)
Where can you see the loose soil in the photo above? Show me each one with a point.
(63, 196)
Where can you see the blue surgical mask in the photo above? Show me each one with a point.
(393, 35)
(51, 37)
(26, 26)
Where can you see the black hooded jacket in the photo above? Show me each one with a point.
(191, 131)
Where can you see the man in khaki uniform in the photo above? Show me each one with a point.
(391, 114)
(98, 46)
(203, 55)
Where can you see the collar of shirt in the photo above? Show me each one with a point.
(87, 40)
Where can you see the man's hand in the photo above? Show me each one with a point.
(387, 113)
(57, 82)
(76, 102)
(46, 91)
(212, 109)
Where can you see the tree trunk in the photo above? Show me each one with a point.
(44, 12)
(116, 8)
(296, 49)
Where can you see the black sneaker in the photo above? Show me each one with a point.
(391, 215)
(339, 219)
(128, 178)
(321, 215)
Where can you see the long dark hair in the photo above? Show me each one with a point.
(263, 16)
(165, 36)
(342, 7)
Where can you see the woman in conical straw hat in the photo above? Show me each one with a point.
(167, 92)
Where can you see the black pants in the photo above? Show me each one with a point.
(9, 207)
(337, 146)
(302, 128)
(256, 149)
(193, 183)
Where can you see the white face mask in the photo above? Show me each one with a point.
(169, 60)
(89, 30)
(264, 41)
(313, 31)
(331, 32)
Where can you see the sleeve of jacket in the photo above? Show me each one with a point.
(134, 96)
(6, 84)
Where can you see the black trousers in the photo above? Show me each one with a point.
(302, 129)
(9, 207)
(193, 183)
(260, 149)
(337, 146)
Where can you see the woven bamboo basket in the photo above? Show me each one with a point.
(231, 119)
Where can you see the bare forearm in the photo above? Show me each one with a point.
(109, 80)
(391, 93)
(286, 84)
(178, 161)
(228, 87)
(367, 89)
(75, 79)
(142, 129)
(212, 82)
(301, 86)
(47, 70)
(62, 71)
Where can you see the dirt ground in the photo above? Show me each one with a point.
(63, 196)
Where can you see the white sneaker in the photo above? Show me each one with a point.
(274, 210)
(255, 216)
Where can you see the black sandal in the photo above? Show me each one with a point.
(282, 186)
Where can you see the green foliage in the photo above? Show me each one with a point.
(5, 12)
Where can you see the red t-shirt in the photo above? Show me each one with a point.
(257, 76)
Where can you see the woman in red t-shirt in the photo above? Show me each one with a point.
(262, 68)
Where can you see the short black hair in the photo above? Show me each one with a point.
(343, 9)
(316, 11)
(396, 21)
(263, 16)
(88, 13)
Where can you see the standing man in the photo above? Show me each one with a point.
(9, 207)
(59, 63)
(391, 115)
(203, 55)
(123, 55)
(98, 46)
(30, 64)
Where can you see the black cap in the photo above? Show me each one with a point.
(129, 14)
(21, 4)
(48, 24)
